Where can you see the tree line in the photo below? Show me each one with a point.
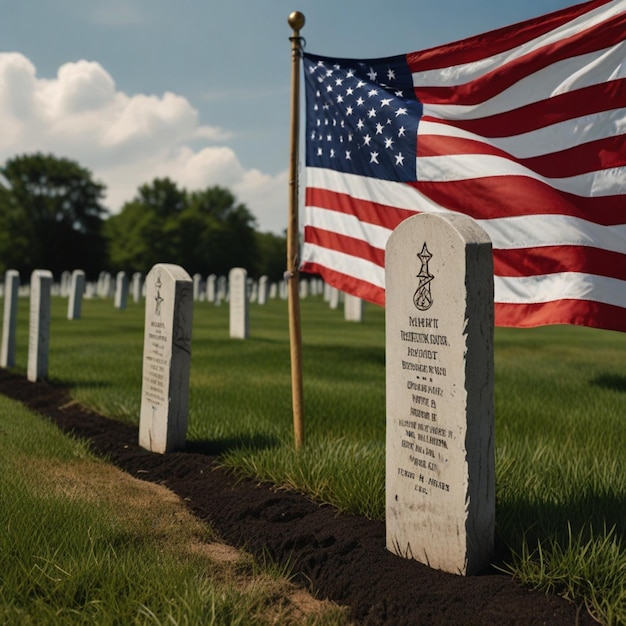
(52, 217)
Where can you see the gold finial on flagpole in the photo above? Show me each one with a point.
(296, 21)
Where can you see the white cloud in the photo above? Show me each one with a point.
(124, 140)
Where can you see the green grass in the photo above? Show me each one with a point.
(560, 423)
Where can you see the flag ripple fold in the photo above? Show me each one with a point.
(522, 128)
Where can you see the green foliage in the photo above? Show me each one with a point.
(203, 231)
(50, 216)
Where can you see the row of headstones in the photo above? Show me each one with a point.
(440, 476)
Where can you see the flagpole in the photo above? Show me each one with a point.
(296, 21)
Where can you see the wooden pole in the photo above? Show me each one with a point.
(296, 21)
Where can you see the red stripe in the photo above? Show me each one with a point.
(343, 243)
(348, 284)
(489, 85)
(587, 157)
(554, 259)
(578, 312)
(560, 108)
(509, 196)
(496, 41)
(366, 211)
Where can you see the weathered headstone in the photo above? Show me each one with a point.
(76, 290)
(353, 308)
(121, 291)
(440, 487)
(9, 321)
(166, 359)
(238, 303)
(39, 325)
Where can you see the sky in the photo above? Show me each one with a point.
(196, 90)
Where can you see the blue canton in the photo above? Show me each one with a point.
(362, 117)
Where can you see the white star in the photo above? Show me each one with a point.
(349, 111)
(379, 128)
(339, 99)
(338, 81)
(399, 159)
(319, 152)
(401, 131)
(348, 157)
(372, 92)
(385, 102)
(391, 75)
(349, 91)
(329, 137)
(371, 113)
(330, 88)
(373, 157)
(388, 142)
(329, 73)
(332, 153)
(372, 75)
(399, 94)
(349, 73)
(360, 101)
(360, 84)
(360, 124)
(401, 111)
(366, 140)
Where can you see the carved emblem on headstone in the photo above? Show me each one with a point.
(158, 299)
(422, 298)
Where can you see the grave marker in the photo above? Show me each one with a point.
(166, 359)
(440, 487)
(238, 303)
(352, 308)
(76, 290)
(39, 325)
(121, 291)
(9, 321)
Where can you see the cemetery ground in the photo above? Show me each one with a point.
(560, 439)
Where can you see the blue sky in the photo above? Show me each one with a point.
(195, 89)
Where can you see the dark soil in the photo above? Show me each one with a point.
(339, 557)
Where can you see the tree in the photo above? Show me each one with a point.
(203, 231)
(51, 216)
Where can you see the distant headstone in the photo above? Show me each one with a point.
(353, 308)
(221, 290)
(66, 280)
(197, 284)
(136, 286)
(303, 287)
(166, 359)
(263, 289)
(210, 288)
(9, 321)
(440, 487)
(238, 303)
(75, 296)
(273, 291)
(121, 291)
(39, 328)
(333, 298)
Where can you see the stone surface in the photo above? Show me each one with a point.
(75, 295)
(440, 485)
(9, 321)
(121, 291)
(263, 289)
(39, 325)
(238, 303)
(352, 308)
(136, 286)
(166, 359)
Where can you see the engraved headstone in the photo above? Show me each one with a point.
(238, 303)
(166, 359)
(75, 300)
(440, 487)
(9, 321)
(352, 308)
(39, 325)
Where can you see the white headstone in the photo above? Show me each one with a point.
(210, 288)
(76, 291)
(197, 284)
(353, 308)
(263, 289)
(166, 359)
(440, 486)
(333, 299)
(9, 321)
(303, 287)
(39, 329)
(238, 303)
(137, 286)
(121, 291)
(273, 291)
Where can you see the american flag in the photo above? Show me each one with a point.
(522, 128)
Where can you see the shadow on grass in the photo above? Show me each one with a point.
(613, 382)
(216, 447)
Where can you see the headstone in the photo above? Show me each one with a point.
(440, 487)
(238, 303)
(210, 288)
(121, 291)
(221, 290)
(263, 289)
(136, 286)
(76, 290)
(333, 299)
(66, 280)
(253, 292)
(166, 359)
(303, 287)
(9, 321)
(273, 291)
(352, 308)
(197, 284)
(39, 330)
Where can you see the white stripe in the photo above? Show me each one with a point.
(464, 73)
(344, 263)
(466, 167)
(563, 286)
(554, 138)
(568, 75)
